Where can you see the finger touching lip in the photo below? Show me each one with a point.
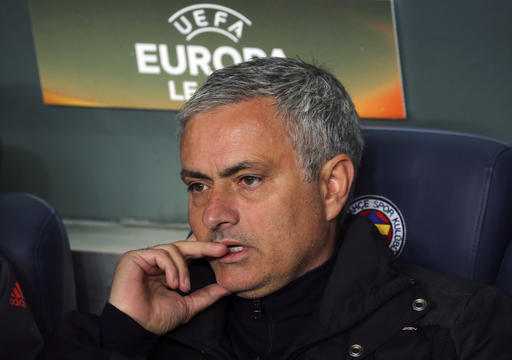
(236, 252)
(198, 249)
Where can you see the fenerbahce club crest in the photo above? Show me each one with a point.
(385, 216)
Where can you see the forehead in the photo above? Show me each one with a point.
(245, 129)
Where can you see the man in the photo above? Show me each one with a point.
(274, 270)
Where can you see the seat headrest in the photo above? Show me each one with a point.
(442, 199)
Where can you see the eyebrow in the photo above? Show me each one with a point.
(193, 174)
(230, 171)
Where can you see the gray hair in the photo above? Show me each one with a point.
(318, 114)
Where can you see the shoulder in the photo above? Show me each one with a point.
(476, 316)
(20, 326)
(451, 297)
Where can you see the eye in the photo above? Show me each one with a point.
(250, 180)
(196, 187)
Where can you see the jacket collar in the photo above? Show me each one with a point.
(363, 278)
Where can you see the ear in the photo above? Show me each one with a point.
(335, 181)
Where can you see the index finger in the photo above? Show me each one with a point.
(197, 249)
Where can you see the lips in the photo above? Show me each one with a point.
(236, 252)
(231, 244)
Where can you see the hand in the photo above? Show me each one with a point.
(143, 277)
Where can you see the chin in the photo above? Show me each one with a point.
(253, 293)
(239, 282)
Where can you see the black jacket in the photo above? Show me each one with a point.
(373, 307)
(20, 338)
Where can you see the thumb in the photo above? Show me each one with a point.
(203, 298)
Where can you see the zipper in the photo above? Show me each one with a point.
(257, 313)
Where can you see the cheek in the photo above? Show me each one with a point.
(277, 226)
(195, 222)
(306, 221)
(288, 214)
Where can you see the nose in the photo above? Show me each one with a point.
(221, 211)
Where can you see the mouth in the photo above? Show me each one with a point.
(235, 248)
(236, 252)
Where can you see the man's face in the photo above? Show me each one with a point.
(247, 191)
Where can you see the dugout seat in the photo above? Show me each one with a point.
(441, 199)
(33, 238)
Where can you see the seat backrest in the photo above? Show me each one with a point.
(33, 238)
(442, 199)
(504, 280)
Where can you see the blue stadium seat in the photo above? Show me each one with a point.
(504, 280)
(33, 238)
(441, 199)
